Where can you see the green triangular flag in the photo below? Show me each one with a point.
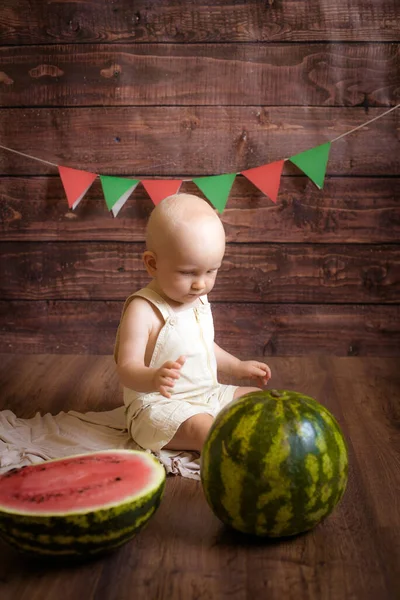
(216, 188)
(313, 163)
(116, 191)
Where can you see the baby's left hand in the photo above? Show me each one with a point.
(252, 369)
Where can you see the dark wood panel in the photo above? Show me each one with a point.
(346, 210)
(246, 330)
(190, 141)
(249, 273)
(212, 74)
(188, 21)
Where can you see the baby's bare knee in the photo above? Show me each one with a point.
(198, 425)
(192, 433)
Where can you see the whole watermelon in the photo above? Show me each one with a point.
(274, 463)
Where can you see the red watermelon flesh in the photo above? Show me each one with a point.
(75, 483)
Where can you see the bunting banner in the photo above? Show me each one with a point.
(267, 178)
(158, 189)
(216, 188)
(76, 184)
(116, 191)
(312, 162)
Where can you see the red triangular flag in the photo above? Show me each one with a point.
(158, 189)
(76, 184)
(267, 178)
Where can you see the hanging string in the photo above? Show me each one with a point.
(339, 137)
(47, 162)
(364, 124)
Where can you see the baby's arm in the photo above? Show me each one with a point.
(242, 369)
(134, 335)
(226, 363)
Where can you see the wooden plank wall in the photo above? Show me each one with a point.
(188, 88)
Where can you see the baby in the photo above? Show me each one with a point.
(166, 357)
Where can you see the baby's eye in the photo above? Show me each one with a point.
(185, 272)
(212, 271)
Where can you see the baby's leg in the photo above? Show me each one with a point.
(192, 434)
(241, 391)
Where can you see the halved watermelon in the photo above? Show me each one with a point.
(82, 505)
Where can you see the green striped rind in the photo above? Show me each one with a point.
(82, 534)
(274, 463)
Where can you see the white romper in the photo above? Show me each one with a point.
(153, 419)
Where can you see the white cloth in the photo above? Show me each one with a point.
(44, 437)
(153, 419)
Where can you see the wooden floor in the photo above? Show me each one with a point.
(185, 553)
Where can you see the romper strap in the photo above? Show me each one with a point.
(157, 300)
(164, 308)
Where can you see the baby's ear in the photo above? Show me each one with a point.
(150, 262)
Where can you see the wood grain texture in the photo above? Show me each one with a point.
(191, 21)
(200, 75)
(190, 88)
(89, 327)
(190, 141)
(185, 553)
(255, 273)
(356, 210)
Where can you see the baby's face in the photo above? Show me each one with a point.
(188, 268)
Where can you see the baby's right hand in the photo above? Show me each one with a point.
(164, 377)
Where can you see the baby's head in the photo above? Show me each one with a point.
(185, 244)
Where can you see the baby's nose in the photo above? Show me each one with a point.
(198, 284)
